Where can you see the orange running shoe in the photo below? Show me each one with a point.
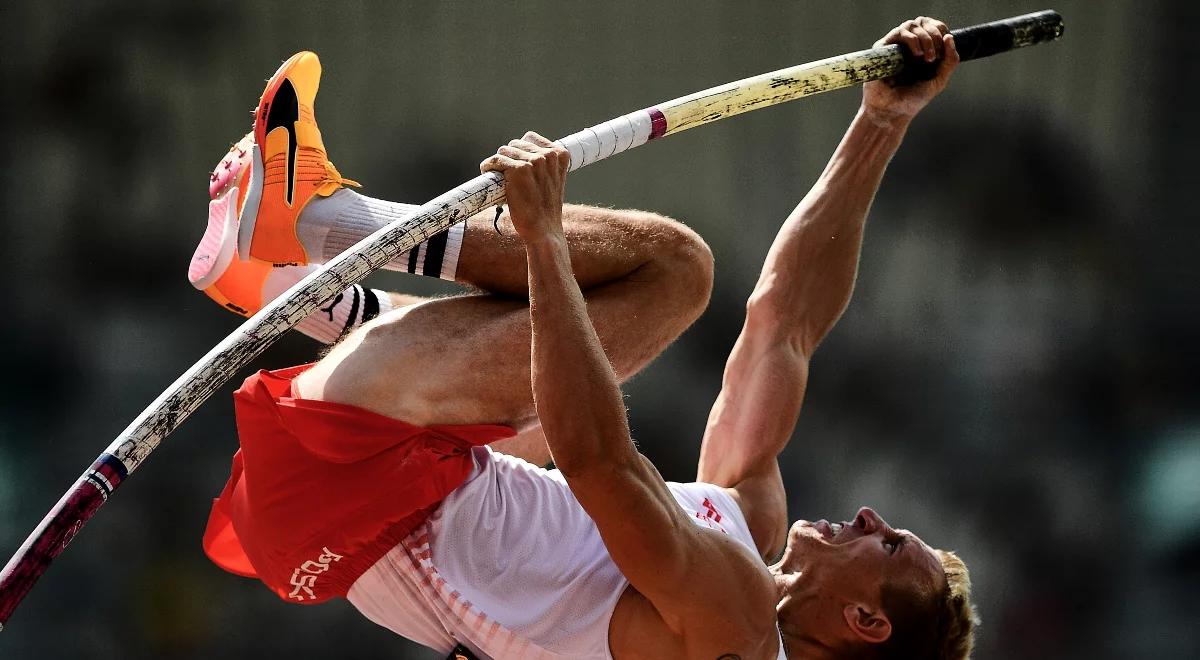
(215, 269)
(289, 165)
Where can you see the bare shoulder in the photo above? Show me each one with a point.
(726, 609)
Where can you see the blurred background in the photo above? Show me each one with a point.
(1016, 378)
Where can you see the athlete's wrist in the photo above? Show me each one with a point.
(885, 118)
(545, 244)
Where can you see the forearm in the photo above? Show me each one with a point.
(805, 286)
(803, 289)
(574, 387)
(809, 273)
(583, 416)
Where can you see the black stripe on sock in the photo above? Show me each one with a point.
(370, 305)
(435, 251)
(412, 259)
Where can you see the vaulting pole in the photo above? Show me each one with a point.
(197, 384)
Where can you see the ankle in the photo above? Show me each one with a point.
(330, 226)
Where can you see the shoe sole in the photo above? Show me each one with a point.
(220, 243)
(254, 188)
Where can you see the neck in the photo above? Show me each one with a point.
(806, 647)
(806, 632)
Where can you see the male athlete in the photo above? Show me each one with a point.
(388, 471)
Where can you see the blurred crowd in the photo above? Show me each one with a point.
(1015, 379)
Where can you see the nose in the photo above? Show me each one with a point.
(871, 522)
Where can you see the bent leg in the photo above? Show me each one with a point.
(606, 245)
(466, 359)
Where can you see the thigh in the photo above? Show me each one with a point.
(450, 360)
(466, 359)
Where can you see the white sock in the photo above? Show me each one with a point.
(331, 224)
(348, 310)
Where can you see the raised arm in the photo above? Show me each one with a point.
(803, 289)
(583, 417)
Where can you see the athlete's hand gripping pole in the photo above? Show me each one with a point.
(141, 437)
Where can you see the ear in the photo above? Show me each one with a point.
(872, 627)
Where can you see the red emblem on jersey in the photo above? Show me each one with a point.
(710, 512)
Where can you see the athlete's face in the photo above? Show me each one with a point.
(834, 571)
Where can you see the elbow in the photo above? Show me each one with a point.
(772, 317)
(779, 319)
(765, 312)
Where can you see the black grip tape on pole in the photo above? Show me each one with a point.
(987, 39)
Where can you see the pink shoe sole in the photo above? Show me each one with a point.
(218, 246)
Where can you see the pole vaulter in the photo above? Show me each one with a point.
(190, 390)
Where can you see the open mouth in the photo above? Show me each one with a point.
(827, 529)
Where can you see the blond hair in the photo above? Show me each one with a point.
(957, 619)
(929, 625)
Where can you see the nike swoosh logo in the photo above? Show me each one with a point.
(285, 112)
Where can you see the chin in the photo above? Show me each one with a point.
(801, 539)
(803, 532)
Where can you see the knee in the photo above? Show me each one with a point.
(684, 259)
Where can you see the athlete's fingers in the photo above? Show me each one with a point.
(501, 163)
(530, 136)
(951, 51)
(553, 151)
(512, 153)
(527, 146)
(911, 41)
(932, 27)
(941, 27)
(926, 40)
(556, 155)
(516, 153)
(888, 38)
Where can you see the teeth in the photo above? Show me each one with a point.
(837, 527)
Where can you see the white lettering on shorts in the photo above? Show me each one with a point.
(305, 578)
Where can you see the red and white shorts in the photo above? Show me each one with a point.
(320, 491)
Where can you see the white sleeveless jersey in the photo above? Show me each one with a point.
(510, 566)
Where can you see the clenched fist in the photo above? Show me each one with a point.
(926, 38)
(535, 174)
